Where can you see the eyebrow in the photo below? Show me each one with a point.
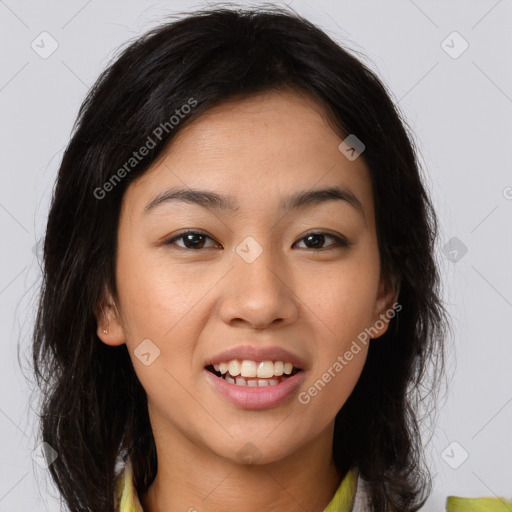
(213, 201)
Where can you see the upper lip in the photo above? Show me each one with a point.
(258, 354)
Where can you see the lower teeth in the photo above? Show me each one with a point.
(242, 381)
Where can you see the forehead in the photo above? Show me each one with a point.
(291, 114)
(258, 150)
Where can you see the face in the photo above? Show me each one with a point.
(199, 278)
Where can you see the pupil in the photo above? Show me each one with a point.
(189, 239)
(318, 237)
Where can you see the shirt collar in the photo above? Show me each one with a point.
(128, 501)
(126, 495)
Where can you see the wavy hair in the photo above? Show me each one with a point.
(94, 409)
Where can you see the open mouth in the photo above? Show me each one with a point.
(226, 374)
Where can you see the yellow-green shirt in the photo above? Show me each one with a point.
(128, 501)
(346, 499)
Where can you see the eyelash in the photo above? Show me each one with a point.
(339, 242)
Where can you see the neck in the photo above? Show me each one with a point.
(192, 478)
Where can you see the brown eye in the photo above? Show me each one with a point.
(316, 241)
(191, 240)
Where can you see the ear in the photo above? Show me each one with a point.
(110, 329)
(385, 305)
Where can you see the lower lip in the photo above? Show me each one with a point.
(264, 397)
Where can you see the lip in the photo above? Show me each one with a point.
(256, 398)
(258, 354)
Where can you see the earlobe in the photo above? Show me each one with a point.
(109, 327)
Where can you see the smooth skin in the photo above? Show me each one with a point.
(310, 297)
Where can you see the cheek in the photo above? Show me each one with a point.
(157, 307)
(328, 388)
(156, 295)
(342, 296)
(340, 309)
(160, 302)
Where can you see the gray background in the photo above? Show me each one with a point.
(461, 112)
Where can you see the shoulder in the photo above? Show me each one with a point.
(361, 498)
(453, 503)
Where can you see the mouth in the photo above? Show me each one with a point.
(248, 373)
(255, 385)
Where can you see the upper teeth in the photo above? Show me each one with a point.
(247, 368)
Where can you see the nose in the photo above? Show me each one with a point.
(259, 294)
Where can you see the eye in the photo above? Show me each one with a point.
(191, 240)
(196, 240)
(315, 239)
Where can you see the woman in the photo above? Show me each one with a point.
(240, 303)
